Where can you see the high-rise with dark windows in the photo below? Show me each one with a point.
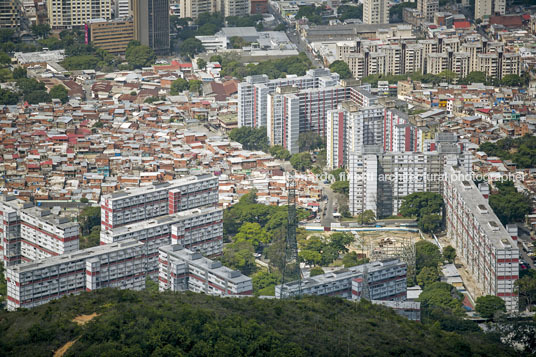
(151, 24)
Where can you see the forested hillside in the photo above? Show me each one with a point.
(148, 323)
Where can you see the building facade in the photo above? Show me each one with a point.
(151, 24)
(68, 13)
(488, 250)
(10, 14)
(180, 269)
(30, 233)
(386, 281)
(112, 36)
(486, 8)
(428, 8)
(120, 265)
(146, 202)
(375, 12)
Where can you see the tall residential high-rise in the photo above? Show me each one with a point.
(192, 8)
(10, 14)
(485, 8)
(151, 24)
(427, 8)
(375, 12)
(122, 8)
(68, 13)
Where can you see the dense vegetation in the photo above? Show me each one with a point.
(521, 151)
(89, 221)
(277, 68)
(350, 12)
(341, 68)
(509, 205)
(396, 11)
(426, 207)
(174, 324)
(250, 138)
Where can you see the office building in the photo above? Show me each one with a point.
(119, 265)
(180, 269)
(146, 202)
(200, 229)
(486, 8)
(235, 7)
(151, 24)
(428, 8)
(63, 14)
(30, 233)
(10, 14)
(386, 281)
(375, 12)
(112, 36)
(488, 251)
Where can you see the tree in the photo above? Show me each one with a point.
(427, 254)
(449, 254)
(38, 96)
(427, 276)
(419, 204)
(366, 217)
(264, 283)
(239, 255)
(488, 305)
(4, 58)
(84, 200)
(352, 259)
(441, 295)
(510, 206)
(8, 97)
(309, 141)
(237, 42)
(526, 287)
(195, 86)
(279, 152)
(512, 80)
(139, 56)
(280, 27)
(430, 223)
(341, 68)
(41, 30)
(80, 62)
(216, 58)
(28, 85)
(201, 63)
(191, 47)
(448, 76)
(345, 12)
(88, 218)
(339, 241)
(179, 85)
(316, 271)
(310, 257)
(59, 92)
(20, 72)
(342, 187)
(396, 11)
(253, 233)
(250, 138)
(301, 161)
(474, 77)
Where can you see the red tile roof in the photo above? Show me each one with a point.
(462, 25)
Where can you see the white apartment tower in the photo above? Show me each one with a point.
(485, 8)
(488, 250)
(376, 12)
(428, 8)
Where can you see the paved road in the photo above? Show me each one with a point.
(327, 209)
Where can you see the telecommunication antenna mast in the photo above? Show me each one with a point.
(292, 262)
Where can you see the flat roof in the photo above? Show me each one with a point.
(78, 255)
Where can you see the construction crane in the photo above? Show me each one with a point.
(292, 263)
